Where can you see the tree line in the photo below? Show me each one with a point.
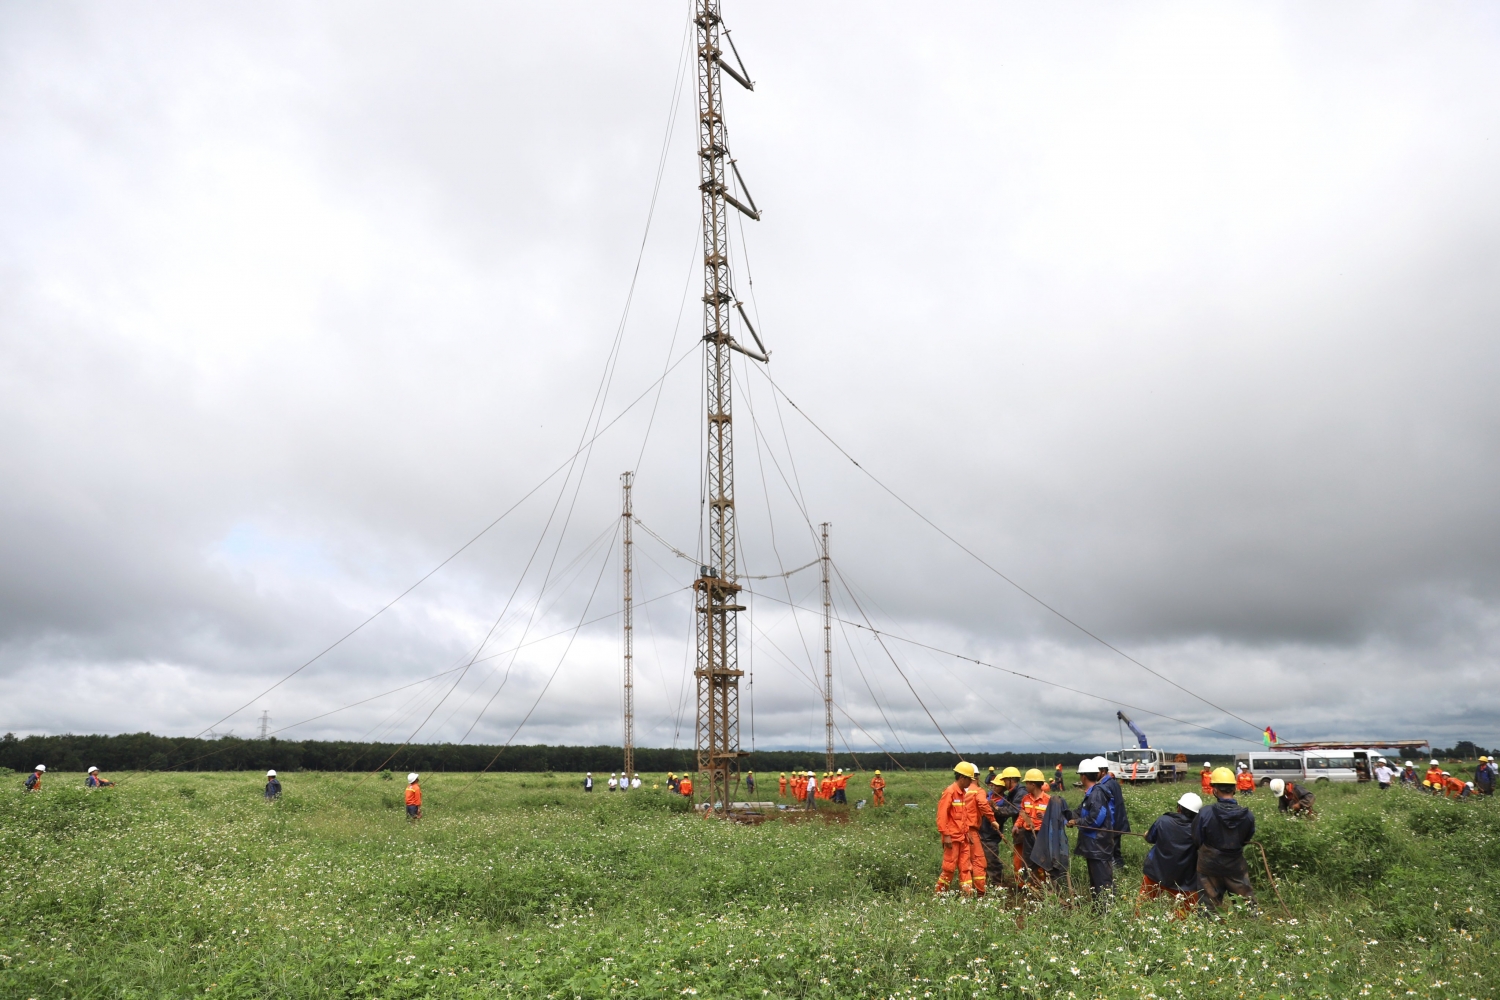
(148, 752)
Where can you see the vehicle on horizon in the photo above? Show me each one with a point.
(1144, 762)
(1327, 761)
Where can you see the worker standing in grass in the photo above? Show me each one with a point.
(781, 786)
(1096, 815)
(1033, 806)
(1383, 774)
(97, 780)
(1408, 773)
(1220, 833)
(685, 786)
(750, 782)
(840, 787)
(273, 786)
(810, 790)
(877, 788)
(588, 781)
(1292, 798)
(34, 779)
(1172, 863)
(1203, 779)
(953, 827)
(1116, 793)
(1057, 779)
(1244, 781)
(413, 797)
(1484, 776)
(992, 833)
(980, 816)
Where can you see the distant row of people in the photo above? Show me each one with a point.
(619, 781)
(93, 779)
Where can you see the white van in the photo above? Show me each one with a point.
(1271, 764)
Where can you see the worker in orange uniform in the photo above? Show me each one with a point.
(1244, 781)
(979, 812)
(1453, 787)
(781, 786)
(1435, 777)
(953, 825)
(413, 796)
(1033, 807)
(34, 779)
(841, 787)
(685, 786)
(1203, 778)
(1057, 784)
(877, 788)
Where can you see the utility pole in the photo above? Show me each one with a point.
(716, 590)
(627, 562)
(827, 651)
(265, 723)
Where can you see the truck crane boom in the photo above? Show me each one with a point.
(1145, 743)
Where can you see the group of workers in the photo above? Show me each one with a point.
(619, 781)
(1197, 850)
(1439, 782)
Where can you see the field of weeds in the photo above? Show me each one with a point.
(178, 885)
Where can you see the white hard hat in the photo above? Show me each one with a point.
(271, 773)
(1406, 763)
(40, 767)
(1089, 765)
(1277, 787)
(1468, 784)
(92, 770)
(1103, 763)
(1434, 763)
(1447, 775)
(1191, 801)
(588, 774)
(1207, 764)
(411, 777)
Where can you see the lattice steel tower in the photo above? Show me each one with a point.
(627, 566)
(827, 650)
(716, 590)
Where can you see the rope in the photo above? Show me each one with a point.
(980, 559)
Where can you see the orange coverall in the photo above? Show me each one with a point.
(1033, 808)
(877, 787)
(781, 787)
(840, 782)
(685, 786)
(1454, 787)
(1435, 775)
(953, 824)
(1203, 776)
(979, 811)
(1244, 782)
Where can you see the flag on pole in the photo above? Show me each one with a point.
(1269, 736)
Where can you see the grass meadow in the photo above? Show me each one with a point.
(189, 885)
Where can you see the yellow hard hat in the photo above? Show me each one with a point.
(1221, 776)
(966, 769)
(877, 770)
(996, 779)
(1035, 774)
(1011, 772)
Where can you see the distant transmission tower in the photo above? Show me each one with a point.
(627, 563)
(715, 591)
(265, 723)
(827, 651)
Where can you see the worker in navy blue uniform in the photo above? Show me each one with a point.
(1172, 863)
(1095, 816)
(1220, 833)
(1117, 795)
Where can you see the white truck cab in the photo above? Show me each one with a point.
(1134, 764)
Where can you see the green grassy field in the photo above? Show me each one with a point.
(521, 885)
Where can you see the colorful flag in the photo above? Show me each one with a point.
(1269, 736)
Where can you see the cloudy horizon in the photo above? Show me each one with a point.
(1182, 318)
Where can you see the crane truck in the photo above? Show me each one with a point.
(1142, 762)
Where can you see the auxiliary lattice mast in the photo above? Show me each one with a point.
(716, 590)
(827, 650)
(627, 564)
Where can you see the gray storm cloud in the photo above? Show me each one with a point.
(1183, 318)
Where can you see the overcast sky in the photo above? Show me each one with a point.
(1182, 316)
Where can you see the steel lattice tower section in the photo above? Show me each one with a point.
(827, 650)
(627, 566)
(716, 590)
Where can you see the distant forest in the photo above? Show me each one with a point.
(146, 752)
